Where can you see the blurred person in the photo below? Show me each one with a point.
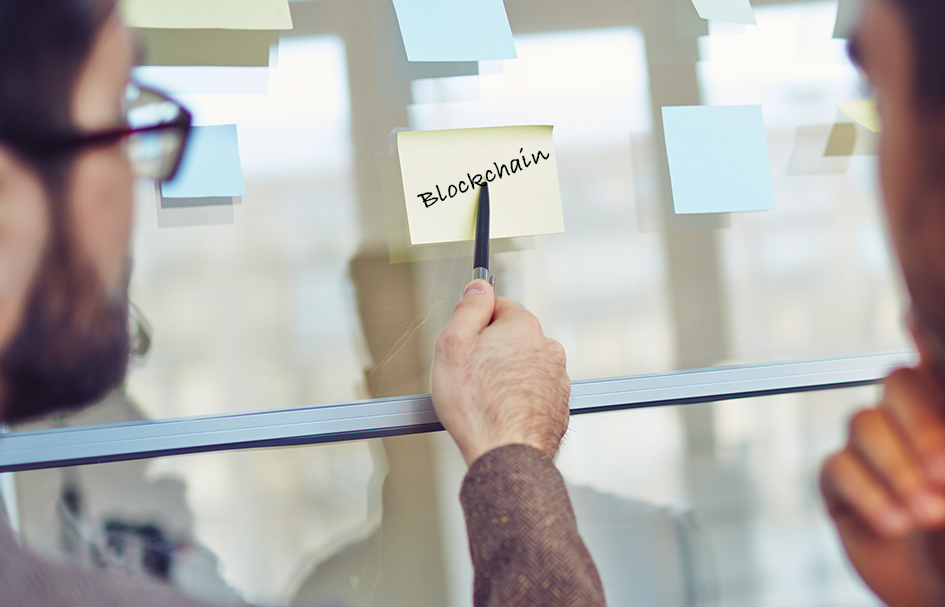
(886, 488)
(74, 133)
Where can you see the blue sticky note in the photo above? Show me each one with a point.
(455, 30)
(718, 158)
(210, 167)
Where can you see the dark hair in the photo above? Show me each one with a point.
(926, 22)
(43, 47)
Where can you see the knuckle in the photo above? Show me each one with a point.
(536, 324)
(450, 340)
(845, 487)
(870, 436)
(829, 470)
(830, 464)
(555, 347)
(835, 474)
(925, 434)
(533, 323)
(556, 351)
(522, 315)
(929, 440)
(903, 477)
(863, 421)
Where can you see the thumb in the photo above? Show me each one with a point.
(475, 309)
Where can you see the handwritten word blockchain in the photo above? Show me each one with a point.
(501, 170)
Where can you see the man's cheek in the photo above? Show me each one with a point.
(101, 202)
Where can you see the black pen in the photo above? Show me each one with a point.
(481, 254)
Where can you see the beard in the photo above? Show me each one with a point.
(73, 344)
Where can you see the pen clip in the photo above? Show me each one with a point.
(483, 273)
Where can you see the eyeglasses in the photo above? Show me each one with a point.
(155, 134)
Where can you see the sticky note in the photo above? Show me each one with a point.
(863, 112)
(848, 11)
(842, 141)
(208, 14)
(180, 47)
(405, 70)
(398, 234)
(718, 158)
(181, 203)
(455, 30)
(733, 11)
(210, 167)
(851, 139)
(442, 170)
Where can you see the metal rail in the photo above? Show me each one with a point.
(414, 414)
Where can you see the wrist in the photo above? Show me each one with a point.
(471, 454)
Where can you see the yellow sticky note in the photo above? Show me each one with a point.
(442, 172)
(862, 111)
(205, 47)
(208, 14)
(398, 234)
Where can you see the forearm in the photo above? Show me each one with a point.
(523, 535)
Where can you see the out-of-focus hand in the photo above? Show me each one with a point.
(497, 380)
(886, 489)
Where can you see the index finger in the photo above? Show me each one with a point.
(505, 306)
(510, 311)
(851, 492)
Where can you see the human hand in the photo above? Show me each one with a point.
(886, 489)
(497, 380)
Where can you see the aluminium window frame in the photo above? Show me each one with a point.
(30, 450)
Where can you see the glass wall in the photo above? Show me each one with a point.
(292, 296)
(297, 295)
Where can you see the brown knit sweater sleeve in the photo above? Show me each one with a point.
(523, 536)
